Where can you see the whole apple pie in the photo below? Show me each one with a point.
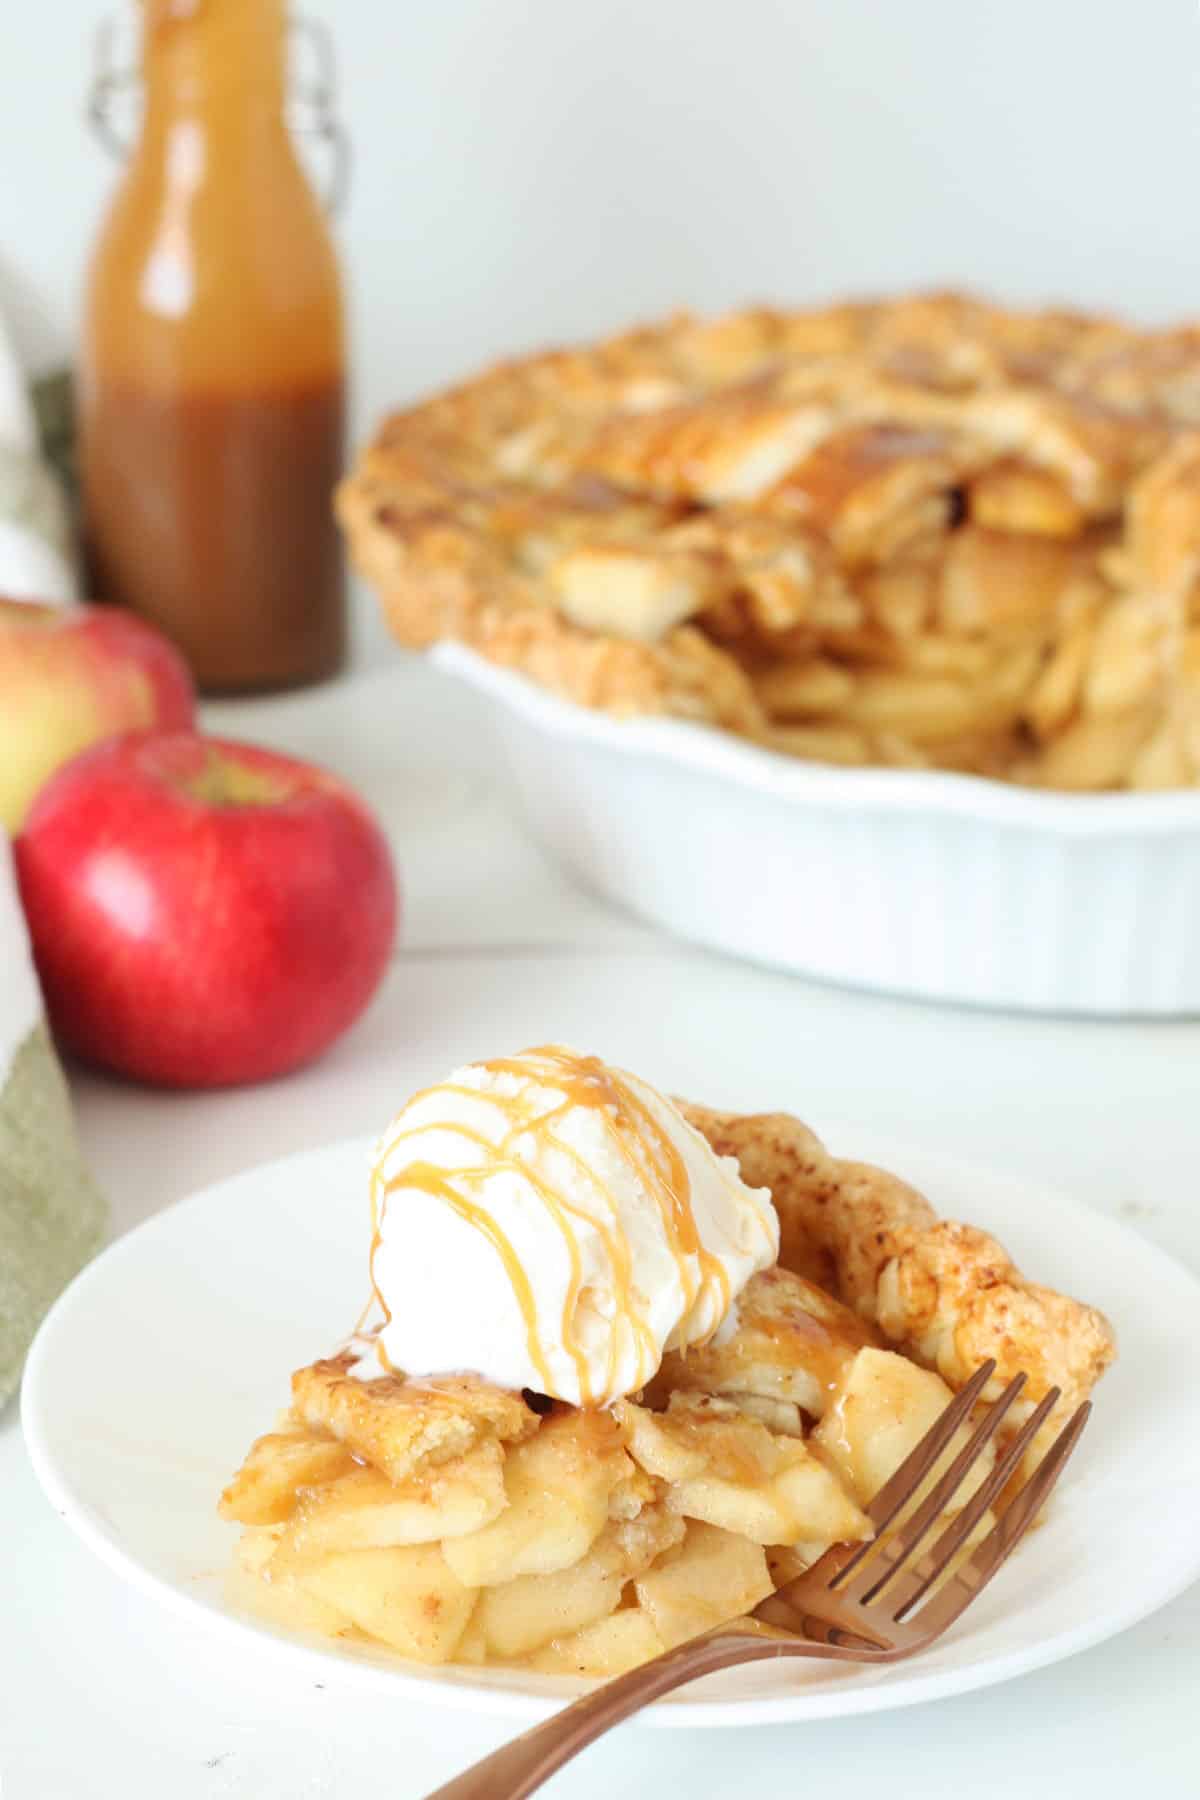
(614, 1394)
(917, 532)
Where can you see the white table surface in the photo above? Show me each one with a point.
(102, 1692)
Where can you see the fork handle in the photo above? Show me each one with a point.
(520, 1767)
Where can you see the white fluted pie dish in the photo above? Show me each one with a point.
(943, 886)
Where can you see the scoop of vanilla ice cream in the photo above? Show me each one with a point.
(552, 1223)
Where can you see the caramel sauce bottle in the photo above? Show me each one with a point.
(212, 374)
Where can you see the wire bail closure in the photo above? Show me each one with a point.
(311, 107)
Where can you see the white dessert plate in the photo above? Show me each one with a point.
(167, 1356)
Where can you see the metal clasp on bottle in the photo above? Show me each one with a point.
(114, 95)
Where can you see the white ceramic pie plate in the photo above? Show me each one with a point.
(167, 1356)
(912, 881)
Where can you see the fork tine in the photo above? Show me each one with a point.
(914, 1531)
(960, 1528)
(909, 1539)
(894, 1494)
(897, 1552)
(1005, 1535)
(917, 1464)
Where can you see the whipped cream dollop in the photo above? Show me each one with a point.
(550, 1222)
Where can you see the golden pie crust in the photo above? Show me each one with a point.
(923, 532)
(946, 1294)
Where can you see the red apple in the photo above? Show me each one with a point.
(70, 676)
(202, 912)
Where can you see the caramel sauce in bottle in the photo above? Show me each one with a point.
(213, 364)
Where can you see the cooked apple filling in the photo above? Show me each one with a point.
(452, 1520)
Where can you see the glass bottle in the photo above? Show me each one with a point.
(212, 372)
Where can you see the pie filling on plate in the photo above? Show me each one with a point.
(925, 532)
(458, 1520)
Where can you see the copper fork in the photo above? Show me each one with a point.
(859, 1603)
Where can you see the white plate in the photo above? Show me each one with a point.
(912, 881)
(167, 1356)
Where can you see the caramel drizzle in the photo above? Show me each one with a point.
(647, 1151)
(375, 1294)
(499, 1158)
(621, 1264)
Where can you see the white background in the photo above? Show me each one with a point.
(529, 169)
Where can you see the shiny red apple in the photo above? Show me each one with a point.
(203, 913)
(71, 675)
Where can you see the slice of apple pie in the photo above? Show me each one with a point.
(707, 1451)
